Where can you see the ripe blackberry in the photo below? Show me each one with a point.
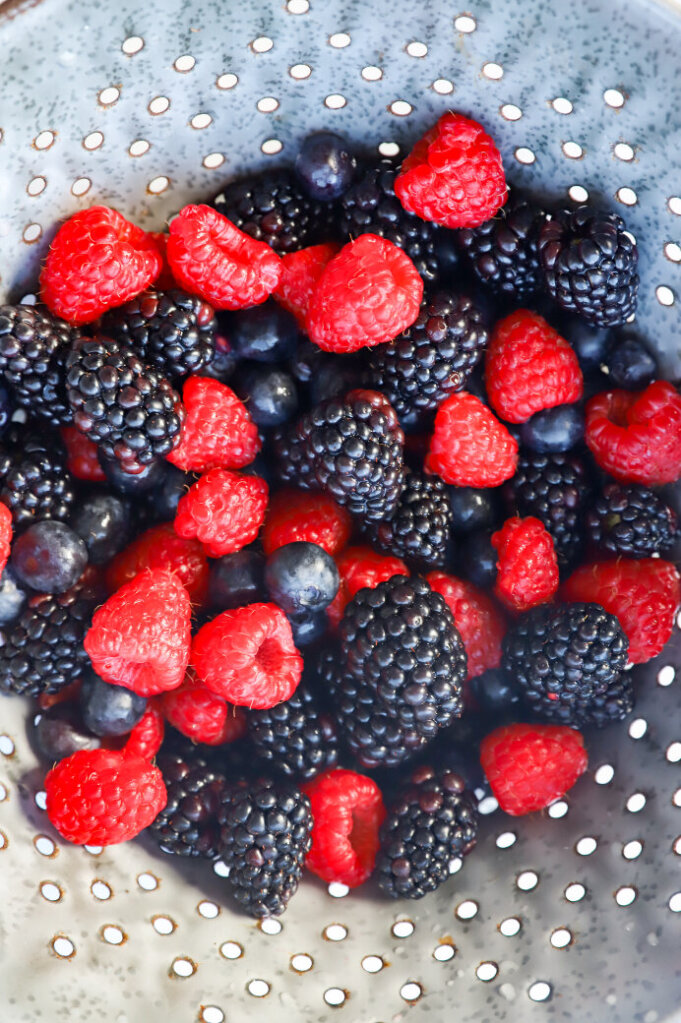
(370, 206)
(188, 825)
(34, 481)
(273, 208)
(432, 358)
(553, 487)
(352, 448)
(171, 330)
(265, 835)
(589, 264)
(567, 661)
(632, 521)
(502, 252)
(125, 406)
(431, 821)
(419, 529)
(398, 676)
(33, 346)
(297, 737)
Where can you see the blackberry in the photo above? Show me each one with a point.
(352, 448)
(632, 521)
(432, 358)
(188, 824)
(432, 821)
(502, 252)
(265, 835)
(296, 736)
(553, 488)
(568, 662)
(419, 529)
(34, 481)
(33, 346)
(125, 406)
(589, 264)
(273, 208)
(370, 206)
(171, 330)
(398, 676)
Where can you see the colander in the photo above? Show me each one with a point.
(573, 914)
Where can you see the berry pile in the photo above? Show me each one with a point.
(273, 518)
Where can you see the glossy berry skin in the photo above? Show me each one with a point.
(13, 597)
(299, 515)
(264, 333)
(109, 709)
(469, 446)
(300, 272)
(237, 579)
(218, 432)
(103, 523)
(223, 362)
(554, 429)
(479, 558)
(49, 557)
(163, 499)
(187, 825)
(270, 394)
(631, 365)
(161, 548)
(495, 693)
(472, 508)
(60, 732)
(527, 566)
(296, 737)
(308, 627)
(301, 577)
(6, 409)
(325, 165)
(360, 568)
(590, 343)
(224, 510)
(126, 483)
(32, 348)
(633, 521)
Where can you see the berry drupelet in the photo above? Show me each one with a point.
(188, 824)
(419, 529)
(632, 521)
(34, 481)
(33, 347)
(296, 737)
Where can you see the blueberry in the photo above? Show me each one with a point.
(59, 731)
(301, 576)
(132, 485)
(335, 375)
(630, 364)
(109, 709)
(325, 165)
(6, 408)
(270, 393)
(266, 333)
(49, 557)
(237, 579)
(224, 361)
(13, 597)
(447, 253)
(164, 499)
(495, 692)
(307, 627)
(103, 523)
(589, 343)
(472, 509)
(554, 429)
(479, 559)
(306, 360)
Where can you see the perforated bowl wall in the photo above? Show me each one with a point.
(574, 914)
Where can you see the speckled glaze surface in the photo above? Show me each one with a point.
(237, 85)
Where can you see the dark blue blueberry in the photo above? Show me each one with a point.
(13, 597)
(265, 333)
(325, 165)
(306, 361)
(308, 628)
(472, 509)
(49, 557)
(630, 364)
(133, 485)
(479, 559)
(59, 731)
(494, 691)
(301, 576)
(554, 429)
(589, 343)
(103, 523)
(164, 499)
(109, 709)
(270, 393)
(224, 361)
(6, 408)
(237, 579)
(335, 375)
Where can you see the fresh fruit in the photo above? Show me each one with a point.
(495, 693)
(480, 622)
(300, 272)
(188, 823)
(479, 558)
(527, 566)
(108, 709)
(295, 515)
(469, 446)
(49, 557)
(633, 521)
(33, 346)
(269, 394)
(224, 510)
(361, 568)
(472, 509)
(325, 165)
(418, 531)
(630, 364)
(161, 548)
(34, 480)
(59, 731)
(554, 430)
(5, 535)
(264, 333)
(82, 455)
(201, 715)
(103, 522)
(218, 432)
(146, 737)
(301, 576)
(296, 737)
(237, 579)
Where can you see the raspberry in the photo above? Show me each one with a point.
(529, 367)
(528, 766)
(360, 568)
(469, 446)
(367, 295)
(165, 280)
(161, 548)
(146, 738)
(5, 535)
(100, 797)
(201, 715)
(300, 272)
(218, 432)
(224, 510)
(636, 436)
(315, 517)
(527, 566)
(480, 622)
(248, 657)
(347, 813)
(453, 175)
(213, 259)
(82, 459)
(141, 636)
(643, 594)
(97, 260)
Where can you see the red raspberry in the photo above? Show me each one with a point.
(5, 535)
(347, 812)
(527, 566)
(98, 260)
(101, 796)
(144, 740)
(644, 595)
(218, 432)
(141, 636)
(165, 280)
(202, 716)
(477, 617)
(469, 446)
(360, 568)
(224, 510)
(636, 436)
(453, 175)
(368, 294)
(161, 547)
(300, 272)
(248, 656)
(82, 455)
(210, 257)
(301, 515)
(528, 766)
(529, 367)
